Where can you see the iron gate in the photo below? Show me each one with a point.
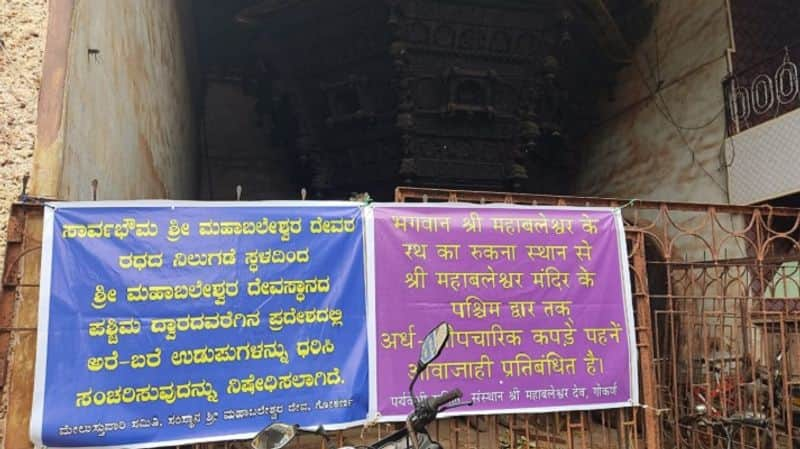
(717, 304)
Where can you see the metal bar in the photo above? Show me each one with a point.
(742, 261)
(645, 339)
(707, 308)
(14, 247)
(402, 194)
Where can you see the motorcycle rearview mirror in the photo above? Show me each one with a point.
(432, 346)
(274, 436)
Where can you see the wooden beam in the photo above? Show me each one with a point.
(23, 334)
(645, 340)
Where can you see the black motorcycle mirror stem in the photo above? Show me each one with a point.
(432, 346)
(420, 368)
(409, 425)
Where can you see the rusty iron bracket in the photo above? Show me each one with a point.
(15, 230)
(9, 277)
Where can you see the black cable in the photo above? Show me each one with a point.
(655, 95)
(728, 138)
(671, 120)
(656, 73)
(693, 128)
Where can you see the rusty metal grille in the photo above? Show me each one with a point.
(716, 299)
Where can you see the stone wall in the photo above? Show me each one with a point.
(23, 24)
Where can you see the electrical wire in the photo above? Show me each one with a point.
(668, 116)
(655, 94)
(694, 128)
(727, 137)
(655, 72)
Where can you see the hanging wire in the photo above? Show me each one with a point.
(655, 95)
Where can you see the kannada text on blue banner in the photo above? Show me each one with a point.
(175, 323)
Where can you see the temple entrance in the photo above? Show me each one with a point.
(362, 95)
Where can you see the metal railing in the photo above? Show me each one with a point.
(717, 300)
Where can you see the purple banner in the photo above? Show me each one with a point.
(538, 299)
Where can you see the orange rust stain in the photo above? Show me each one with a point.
(152, 172)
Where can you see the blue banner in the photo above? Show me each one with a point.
(170, 323)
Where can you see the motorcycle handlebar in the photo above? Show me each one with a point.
(436, 403)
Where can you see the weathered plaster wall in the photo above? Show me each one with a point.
(661, 138)
(128, 119)
(636, 151)
(22, 35)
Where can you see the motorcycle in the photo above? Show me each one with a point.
(413, 436)
(709, 427)
(786, 417)
(765, 411)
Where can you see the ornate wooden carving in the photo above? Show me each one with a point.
(448, 93)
